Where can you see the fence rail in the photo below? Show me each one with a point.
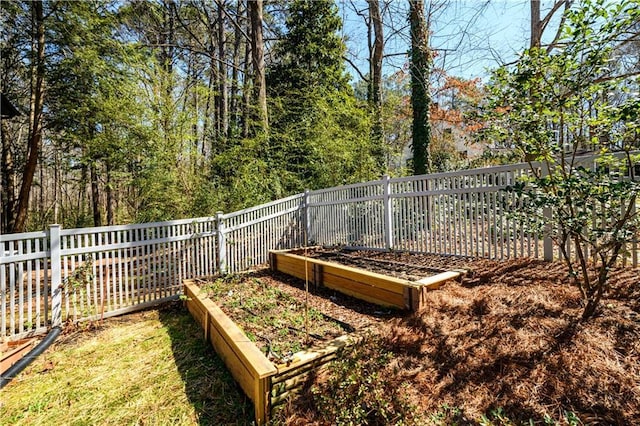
(459, 213)
(73, 274)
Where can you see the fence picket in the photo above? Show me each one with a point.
(3, 302)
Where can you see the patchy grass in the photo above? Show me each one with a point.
(147, 368)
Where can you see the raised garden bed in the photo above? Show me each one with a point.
(404, 292)
(271, 339)
(275, 352)
(280, 324)
(12, 352)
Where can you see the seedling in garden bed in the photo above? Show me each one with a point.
(273, 320)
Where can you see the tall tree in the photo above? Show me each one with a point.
(312, 102)
(375, 82)
(35, 114)
(420, 66)
(257, 56)
(310, 54)
(223, 95)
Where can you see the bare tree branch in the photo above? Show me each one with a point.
(356, 68)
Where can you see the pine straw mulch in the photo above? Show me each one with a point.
(508, 338)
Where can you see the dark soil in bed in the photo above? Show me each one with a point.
(408, 266)
(277, 313)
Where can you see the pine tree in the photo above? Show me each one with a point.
(320, 133)
(309, 56)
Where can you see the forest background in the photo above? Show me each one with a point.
(137, 111)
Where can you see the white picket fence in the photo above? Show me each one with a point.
(89, 273)
(460, 213)
(46, 277)
(247, 236)
(75, 274)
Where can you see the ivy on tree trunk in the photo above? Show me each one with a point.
(421, 63)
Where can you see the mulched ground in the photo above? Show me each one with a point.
(508, 340)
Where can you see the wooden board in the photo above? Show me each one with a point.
(362, 284)
(364, 291)
(247, 364)
(14, 353)
(435, 281)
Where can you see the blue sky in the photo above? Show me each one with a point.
(470, 36)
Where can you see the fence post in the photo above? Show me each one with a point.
(56, 275)
(388, 213)
(305, 217)
(222, 244)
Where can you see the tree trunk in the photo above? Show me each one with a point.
(421, 63)
(246, 87)
(95, 195)
(8, 182)
(109, 192)
(536, 24)
(35, 136)
(166, 61)
(375, 82)
(82, 199)
(234, 110)
(376, 53)
(223, 115)
(195, 134)
(207, 115)
(257, 56)
(539, 23)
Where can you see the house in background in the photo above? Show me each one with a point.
(7, 109)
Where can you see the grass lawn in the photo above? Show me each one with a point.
(150, 368)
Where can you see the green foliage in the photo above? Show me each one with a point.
(96, 110)
(278, 322)
(448, 415)
(356, 392)
(553, 106)
(320, 133)
(329, 145)
(310, 54)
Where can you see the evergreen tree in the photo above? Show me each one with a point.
(320, 133)
(309, 56)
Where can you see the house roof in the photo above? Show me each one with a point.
(7, 109)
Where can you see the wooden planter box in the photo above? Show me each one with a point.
(12, 352)
(265, 383)
(362, 284)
